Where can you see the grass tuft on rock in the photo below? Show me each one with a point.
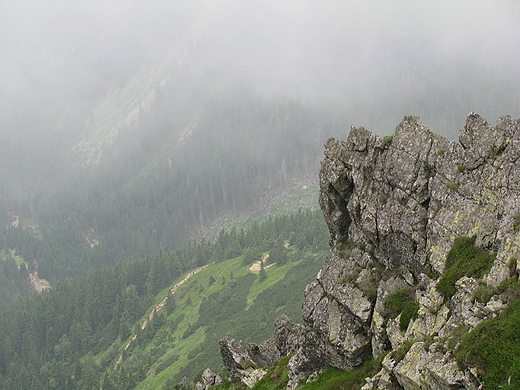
(409, 312)
(464, 259)
(402, 302)
(493, 349)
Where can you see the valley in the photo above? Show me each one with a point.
(157, 320)
(175, 173)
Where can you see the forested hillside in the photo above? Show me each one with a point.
(152, 320)
(128, 131)
(156, 190)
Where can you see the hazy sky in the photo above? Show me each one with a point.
(57, 53)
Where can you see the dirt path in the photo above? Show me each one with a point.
(256, 266)
(161, 304)
(158, 307)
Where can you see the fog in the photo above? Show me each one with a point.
(58, 58)
(136, 123)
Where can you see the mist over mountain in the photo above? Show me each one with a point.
(139, 130)
(65, 56)
(134, 123)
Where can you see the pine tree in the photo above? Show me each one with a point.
(262, 275)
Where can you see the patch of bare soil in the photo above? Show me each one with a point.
(39, 284)
(256, 266)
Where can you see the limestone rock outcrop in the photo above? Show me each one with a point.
(209, 380)
(246, 360)
(394, 207)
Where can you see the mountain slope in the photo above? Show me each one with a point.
(117, 324)
(156, 193)
(206, 310)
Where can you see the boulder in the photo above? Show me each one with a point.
(245, 360)
(209, 380)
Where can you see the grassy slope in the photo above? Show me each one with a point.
(186, 344)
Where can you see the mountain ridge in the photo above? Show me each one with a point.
(400, 280)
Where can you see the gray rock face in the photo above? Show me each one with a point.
(209, 380)
(394, 207)
(431, 370)
(245, 360)
(264, 354)
(235, 355)
(307, 347)
(242, 355)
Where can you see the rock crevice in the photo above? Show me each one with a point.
(394, 206)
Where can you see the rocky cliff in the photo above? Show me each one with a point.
(394, 207)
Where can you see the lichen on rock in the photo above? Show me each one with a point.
(394, 207)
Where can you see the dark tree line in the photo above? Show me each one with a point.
(49, 340)
(150, 192)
